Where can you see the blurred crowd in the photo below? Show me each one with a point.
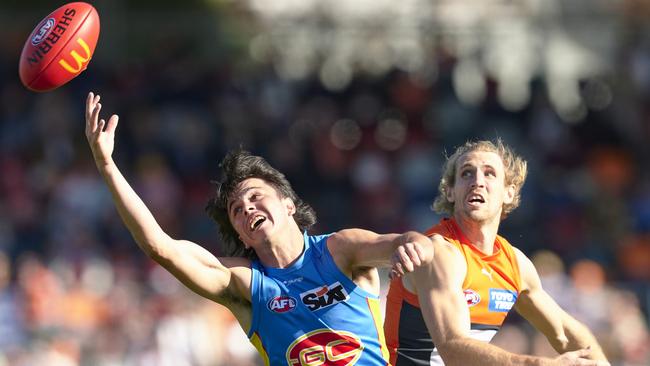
(75, 289)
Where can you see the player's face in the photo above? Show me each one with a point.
(480, 190)
(257, 211)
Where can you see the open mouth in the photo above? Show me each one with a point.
(256, 222)
(476, 198)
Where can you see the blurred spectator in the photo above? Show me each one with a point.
(12, 329)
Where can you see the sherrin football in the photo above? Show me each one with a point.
(60, 47)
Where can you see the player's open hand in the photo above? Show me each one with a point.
(408, 256)
(100, 135)
(577, 358)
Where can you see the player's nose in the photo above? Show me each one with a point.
(478, 181)
(248, 208)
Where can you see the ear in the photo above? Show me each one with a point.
(509, 194)
(289, 205)
(449, 194)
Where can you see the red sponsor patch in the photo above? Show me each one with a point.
(325, 347)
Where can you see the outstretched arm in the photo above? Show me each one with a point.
(563, 331)
(358, 253)
(439, 285)
(194, 266)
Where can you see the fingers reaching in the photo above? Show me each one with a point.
(100, 132)
(112, 124)
(414, 252)
(92, 113)
(94, 117)
(93, 123)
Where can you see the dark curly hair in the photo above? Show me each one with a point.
(237, 166)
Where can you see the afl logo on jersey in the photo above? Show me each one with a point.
(325, 347)
(472, 297)
(281, 304)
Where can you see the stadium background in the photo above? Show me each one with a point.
(357, 102)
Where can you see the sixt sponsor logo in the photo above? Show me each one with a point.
(472, 297)
(324, 296)
(501, 300)
(281, 304)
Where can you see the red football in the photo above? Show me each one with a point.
(60, 47)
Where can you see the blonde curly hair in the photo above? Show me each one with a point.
(515, 168)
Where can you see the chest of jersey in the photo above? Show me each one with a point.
(311, 313)
(490, 287)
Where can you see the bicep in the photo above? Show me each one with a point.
(358, 248)
(440, 292)
(205, 274)
(354, 248)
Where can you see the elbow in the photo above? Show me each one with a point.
(560, 343)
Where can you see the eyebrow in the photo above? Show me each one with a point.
(471, 166)
(239, 193)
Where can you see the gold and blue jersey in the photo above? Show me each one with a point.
(311, 313)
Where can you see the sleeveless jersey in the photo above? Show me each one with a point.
(491, 288)
(311, 313)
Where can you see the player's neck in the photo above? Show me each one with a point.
(283, 249)
(481, 234)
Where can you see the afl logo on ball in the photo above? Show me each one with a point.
(472, 297)
(325, 347)
(281, 304)
(43, 31)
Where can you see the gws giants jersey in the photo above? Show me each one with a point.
(491, 287)
(312, 314)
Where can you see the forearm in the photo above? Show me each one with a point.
(134, 213)
(467, 351)
(578, 336)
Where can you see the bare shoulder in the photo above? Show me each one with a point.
(520, 255)
(448, 261)
(446, 270)
(339, 246)
(349, 246)
(529, 277)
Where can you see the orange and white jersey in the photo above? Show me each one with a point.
(491, 287)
